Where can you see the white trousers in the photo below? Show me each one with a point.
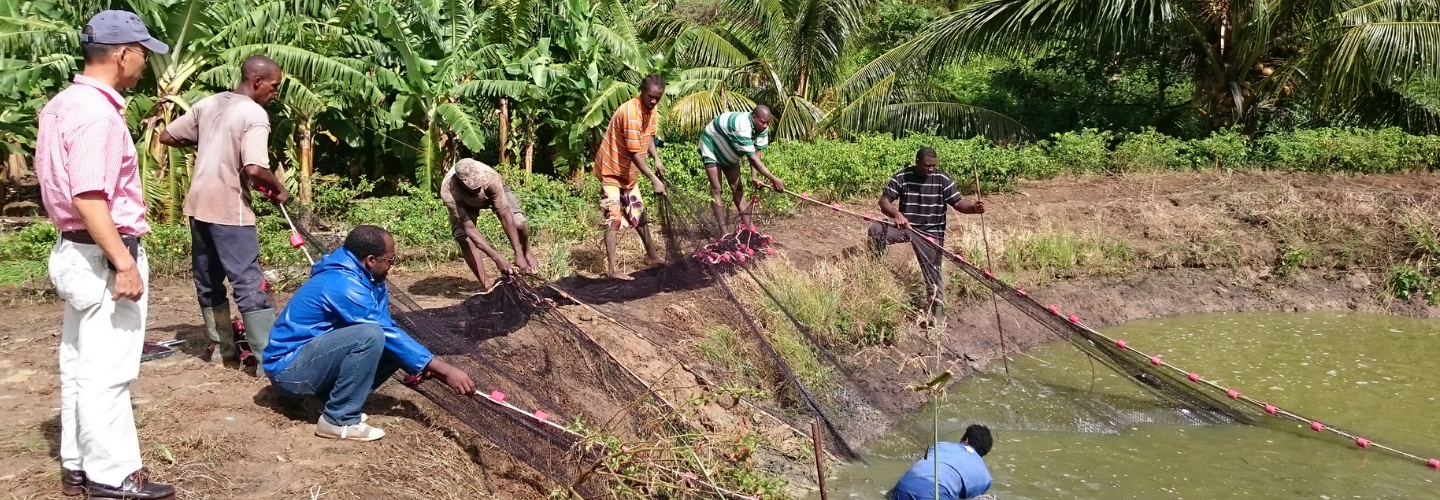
(100, 345)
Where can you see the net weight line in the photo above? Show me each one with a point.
(1117, 354)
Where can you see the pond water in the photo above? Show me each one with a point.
(1066, 430)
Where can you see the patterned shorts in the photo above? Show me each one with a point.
(622, 207)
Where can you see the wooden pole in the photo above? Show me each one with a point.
(819, 457)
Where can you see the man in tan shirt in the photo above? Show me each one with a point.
(231, 133)
(473, 186)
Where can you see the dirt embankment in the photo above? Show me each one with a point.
(1191, 243)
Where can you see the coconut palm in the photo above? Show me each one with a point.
(788, 54)
(1344, 56)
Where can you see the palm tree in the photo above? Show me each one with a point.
(788, 54)
(1350, 58)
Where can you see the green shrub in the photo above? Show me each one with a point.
(1405, 280)
(1149, 151)
(1227, 149)
(1086, 151)
(31, 243)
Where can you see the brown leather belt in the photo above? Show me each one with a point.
(83, 237)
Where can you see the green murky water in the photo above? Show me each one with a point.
(1063, 434)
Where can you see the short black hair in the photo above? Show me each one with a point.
(653, 80)
(925, 152)
(94, 52)
(258, 66)
(978, 437)
(366, 240)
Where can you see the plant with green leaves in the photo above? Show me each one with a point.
(1353, 59)
(788, 54)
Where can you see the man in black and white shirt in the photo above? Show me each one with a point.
(916, 198)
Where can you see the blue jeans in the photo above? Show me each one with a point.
(342, 367)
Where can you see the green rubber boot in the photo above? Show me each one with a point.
(257, 332)
(221, 335)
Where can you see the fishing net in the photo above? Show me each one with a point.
(1163, 383)
(717, 254)
(475, 336)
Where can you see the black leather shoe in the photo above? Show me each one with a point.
(135, 487)
(72, 482)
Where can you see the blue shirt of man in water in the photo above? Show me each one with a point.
(962, 473)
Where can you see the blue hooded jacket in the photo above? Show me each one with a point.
(962, 475)
(340, 293)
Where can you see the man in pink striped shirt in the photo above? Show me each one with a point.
(89, 179)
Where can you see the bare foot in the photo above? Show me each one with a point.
(620, 276)
(654, 260)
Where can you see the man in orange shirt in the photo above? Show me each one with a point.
(619, 162)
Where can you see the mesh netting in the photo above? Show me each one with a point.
(475, 336)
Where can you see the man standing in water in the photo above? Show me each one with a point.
(231, 133)
(85, 161)
(923, 192)
(727, 140)
(956, 468)
(473, 186)
(619, 163)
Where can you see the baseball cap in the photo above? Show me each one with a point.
(118, 27)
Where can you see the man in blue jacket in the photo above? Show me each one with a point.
(335, 340)
(961, 473)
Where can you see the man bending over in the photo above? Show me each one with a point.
(473, 186)
(727, 140)
(335, 340)
(960, 472)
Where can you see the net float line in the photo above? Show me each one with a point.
(996, 285)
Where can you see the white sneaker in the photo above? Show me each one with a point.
(357, 432)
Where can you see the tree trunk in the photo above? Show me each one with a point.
(530, 146)
(803, 85)
(504, 128)
(307, 160)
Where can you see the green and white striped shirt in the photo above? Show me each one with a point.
(729, 138)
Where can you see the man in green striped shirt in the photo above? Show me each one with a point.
(727, 140)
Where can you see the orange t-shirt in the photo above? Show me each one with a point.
(631, 131)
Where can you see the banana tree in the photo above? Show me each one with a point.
(427, 87)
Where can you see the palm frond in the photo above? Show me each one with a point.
(1377, 52)
(462, 125)
(606, 102)
(1390, 108)
(626, 50)
(800, 120)
(691, 113)
(491, 88)
(307, 65)
(951, 120)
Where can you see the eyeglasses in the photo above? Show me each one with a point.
(144, 54)
(390, 260)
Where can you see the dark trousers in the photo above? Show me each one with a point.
(342, 367)
(219, 252)
(927, 255)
